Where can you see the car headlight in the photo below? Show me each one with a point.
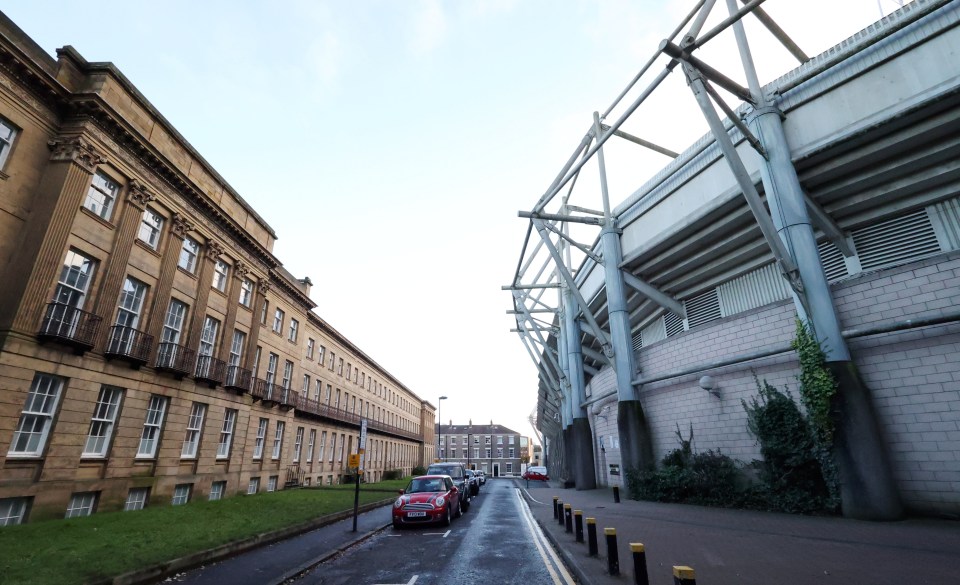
(398, 503)
(439, 502)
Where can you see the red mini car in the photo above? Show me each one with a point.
(536, 472)
(428, 498)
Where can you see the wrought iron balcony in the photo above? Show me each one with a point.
(175, 358)
(238, 379)
(210, 370)
(129, 344)
(288, 398)
(267, 392)
(69, 326)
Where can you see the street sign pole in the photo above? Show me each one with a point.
(359, 469)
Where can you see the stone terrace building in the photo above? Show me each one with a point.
(493, 449)
(152, 348)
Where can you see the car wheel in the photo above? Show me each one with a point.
(459, 511)
(446, 517)
(466, 506)
(397, 525)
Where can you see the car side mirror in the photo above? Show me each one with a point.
(402, 492)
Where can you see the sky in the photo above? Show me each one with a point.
(390, 144)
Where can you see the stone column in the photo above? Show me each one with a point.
(211, 252)
(263, 287)
(115, 267)
(32, 272)
(179, 226)
(240, 271)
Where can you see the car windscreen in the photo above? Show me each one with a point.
(434, 484)
(451, 471)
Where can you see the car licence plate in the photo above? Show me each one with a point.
(416, 514)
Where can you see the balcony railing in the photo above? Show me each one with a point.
(210, 370)
(288, 397)
(304, 405)
(70, 326)
(238, 379)
(175, 358)
(129, 344)
(267, 392)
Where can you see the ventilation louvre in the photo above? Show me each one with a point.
(653, 332)
(703, 309)
(672, 323)
(754, 289)
(832, 260)
(896, 241)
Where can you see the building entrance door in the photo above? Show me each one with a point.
(496, 470)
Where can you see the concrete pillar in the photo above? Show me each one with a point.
(584, 472)
(636, 446)
(868, 489)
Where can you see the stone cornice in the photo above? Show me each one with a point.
(291, 290)
(116, 135)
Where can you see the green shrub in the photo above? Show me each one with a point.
(392, 474)
(790, 475)
(418, 470)
(709, 478)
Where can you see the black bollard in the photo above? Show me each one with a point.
(616, 494)
(578, 524)
(683, 576)
(560, 510)
(613, 556)
(555, 499)
(639, 564)
(568, 517)
(592, 536)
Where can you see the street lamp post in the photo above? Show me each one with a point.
(439, 421)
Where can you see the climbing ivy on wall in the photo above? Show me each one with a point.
(817, 384)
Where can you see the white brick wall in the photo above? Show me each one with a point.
(914, 377)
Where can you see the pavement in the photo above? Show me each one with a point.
(722, 546)
(746, 547)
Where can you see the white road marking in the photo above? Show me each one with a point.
(550, 558)
(410, 582)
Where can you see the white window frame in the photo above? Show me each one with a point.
(311, 443)
(310, 345)
(36, 418)
(321, 353)
(82, 504)
(217, 490)
(322, 446)
(189, 252)
(278, 316)
(246, 292)
(152, 426)
(226, 433)
(294, 330)
(253, 486)
(208, 336)
(262, 427)
(181, 494)
(137, 499)
(272, 483)
(277, 440)
(221, 274)
(287, 374)
(13, 511)
(8, 135)
(173, 321)
(101, 195)
(511, 453)
(151, 226)
(191, 439)
(298, 445)
(102, 422)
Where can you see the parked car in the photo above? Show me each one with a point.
(482, 476)
(474, 482)
(458, 473)
(427, 498)
(536, 472)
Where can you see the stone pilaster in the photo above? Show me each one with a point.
(263, 288)
(115, 267)
(240, 271)
(211, 252)
(179, 226)
(32, 274)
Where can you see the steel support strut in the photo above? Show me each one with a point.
(636, 446)
(868, 490)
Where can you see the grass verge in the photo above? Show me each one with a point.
(90, 549)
